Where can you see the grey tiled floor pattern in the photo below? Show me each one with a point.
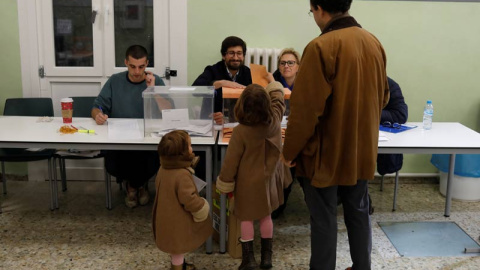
(82, 234)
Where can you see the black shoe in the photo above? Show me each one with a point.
(370, 206)
(277, 212)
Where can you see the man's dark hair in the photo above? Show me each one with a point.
(136, 51)
(332, 6)
(233, 41)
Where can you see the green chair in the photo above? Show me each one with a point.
(82, 107)
(38, 107)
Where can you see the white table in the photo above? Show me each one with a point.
(26, 132)
(443, 138)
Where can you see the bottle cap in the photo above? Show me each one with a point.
(429, 102)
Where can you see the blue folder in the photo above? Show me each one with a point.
(399, 129)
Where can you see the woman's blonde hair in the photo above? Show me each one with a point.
(288, 51)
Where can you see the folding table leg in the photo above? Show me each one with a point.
(395, 191)
(63, 173)
(448, 199)
(52, 189)
(108, 190)
(381, 182)
(4, 179)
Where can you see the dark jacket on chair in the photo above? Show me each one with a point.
(396, 111)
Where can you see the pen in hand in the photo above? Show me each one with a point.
(101, 117)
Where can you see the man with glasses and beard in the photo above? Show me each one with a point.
(229, 72)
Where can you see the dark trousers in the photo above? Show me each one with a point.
(322, 204)
(136, 167)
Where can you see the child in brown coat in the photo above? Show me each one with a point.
(252, 168)
(180, 216)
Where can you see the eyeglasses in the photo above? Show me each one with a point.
(289, 63)
(310, 13)
(388, 124)
(232, 53)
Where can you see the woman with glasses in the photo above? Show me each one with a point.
(288, 64)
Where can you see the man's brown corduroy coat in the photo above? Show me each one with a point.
(340, 90)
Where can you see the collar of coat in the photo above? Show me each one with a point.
(177, 162)
(340, 22)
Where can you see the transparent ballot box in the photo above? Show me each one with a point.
(168, 108)
(230, 97)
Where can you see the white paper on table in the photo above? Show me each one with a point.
(182, 88)
(382, 137)
(124, 129)
(284, 121)
(175, 118)
(196, 128)
(200, 128)
(230, 125)
(199, 183)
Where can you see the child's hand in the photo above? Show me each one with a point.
(269, 77)
(225, 187)
(287, 163)
(201, 214)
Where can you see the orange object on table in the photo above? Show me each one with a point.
(259, 74)
(67, 129)
(228, 92)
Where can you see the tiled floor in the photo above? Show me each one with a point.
(83, 234)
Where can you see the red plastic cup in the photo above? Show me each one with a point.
(67, 110)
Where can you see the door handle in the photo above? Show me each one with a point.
(170, 73)
(94, 15)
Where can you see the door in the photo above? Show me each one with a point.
(71, 48)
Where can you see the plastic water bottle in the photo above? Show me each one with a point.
(428, 115)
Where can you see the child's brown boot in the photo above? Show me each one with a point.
(267, 252)
(248, 258)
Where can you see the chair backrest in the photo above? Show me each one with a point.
(82, 106)
(28, 107)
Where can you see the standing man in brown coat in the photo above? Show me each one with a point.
(332, 131)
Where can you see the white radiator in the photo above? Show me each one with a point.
(263, 56)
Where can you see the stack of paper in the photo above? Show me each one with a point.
(284, 121)
(199, 183)
(195, 128)
(382, 137)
